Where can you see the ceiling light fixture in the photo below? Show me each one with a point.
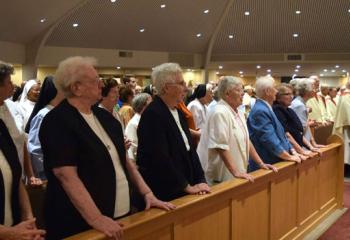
(230, 36)
(75, 25)
(118, 67)
(321, 75)
(349, 10)
(269, 75)
(162, 6)
(298, 66)
(296, 70)
(199, 35)
(217, 73)
(221, 67)
(206, 11)
(43, 20)
(268, 70)
(240, 72)
(246, 13)
(241, 75)
(344, 71)
(142, 30)
(333, 70)
(258, 66)
(113, 1)
(325, 70)
(295, 35)
(297, 12)
(336, 66)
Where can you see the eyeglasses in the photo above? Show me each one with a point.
(286, 94)
(182, 83)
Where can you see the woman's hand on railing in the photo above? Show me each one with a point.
(268, 167)
(108, 226)
(247, 176)
(152, 201)
(200, 189)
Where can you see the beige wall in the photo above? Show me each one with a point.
(17, 76)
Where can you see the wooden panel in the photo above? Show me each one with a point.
(208, 224)
(328, 177)
(252, 203)
(283, 205)
(165, 233)
(308, 203)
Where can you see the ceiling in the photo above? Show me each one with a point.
(323, 27)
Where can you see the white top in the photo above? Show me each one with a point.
(131, 134)
(227, 130)
(7, 178)
(199, 112)
(116, 115)
(122, 200)
(9, 113)
(183, 134)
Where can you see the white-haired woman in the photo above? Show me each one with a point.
(89, 176)
(228, 146)
(139, 104)
(265, 131)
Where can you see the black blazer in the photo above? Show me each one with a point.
(9, 150)
(290, 122)
(67, 140)
(163, 160)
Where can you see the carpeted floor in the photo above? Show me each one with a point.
(340, 230)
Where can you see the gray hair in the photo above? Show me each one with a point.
(262, 84)
(303, 86)
(140, 101)
(226, 84)
(165, 73)
(70, 71)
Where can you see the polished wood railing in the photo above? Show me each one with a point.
(283, 205)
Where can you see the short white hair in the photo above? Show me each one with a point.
(304, 85)
(72, 70)
(165, 73)
(226, 84)
(262, 84)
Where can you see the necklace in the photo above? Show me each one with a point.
(102, 134)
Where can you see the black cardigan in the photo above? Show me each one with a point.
(67, 140)
(9, 150)
(163, 160)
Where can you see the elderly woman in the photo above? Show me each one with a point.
(265, 130)
(199, 100)
(110, 96)
(89, 176)
(48, 99)
(28, 99)
(126, 111)
(229, 147)
(304, 89)
(289, 120)
(139, 104)
(16, 218)
(166, 156)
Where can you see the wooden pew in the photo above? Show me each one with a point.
(283, 205)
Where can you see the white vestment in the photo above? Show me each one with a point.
(331, 107)
(319, 112)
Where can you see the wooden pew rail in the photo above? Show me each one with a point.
(283, 205)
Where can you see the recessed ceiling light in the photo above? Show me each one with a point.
(43, 20)
(325, 70)
(246, 13)
(162, 6)
(349, 10)
(75, 25)
(296, 70)
(333, 70)
(336, 66)
(297, 12)
(268, 70)
(258, 66)
(230, 36)
(113, 1)
(321, 75)
(297, 66)
(295, 35)
(199, 35)
(189, 70)
(269, 75)
(221, 67)
(241, 75)
(344, 71)
(118, 67)
(240, 72)
(217, 73)
(206, 11)
(142, 30)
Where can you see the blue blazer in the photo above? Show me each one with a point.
(267, 134)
